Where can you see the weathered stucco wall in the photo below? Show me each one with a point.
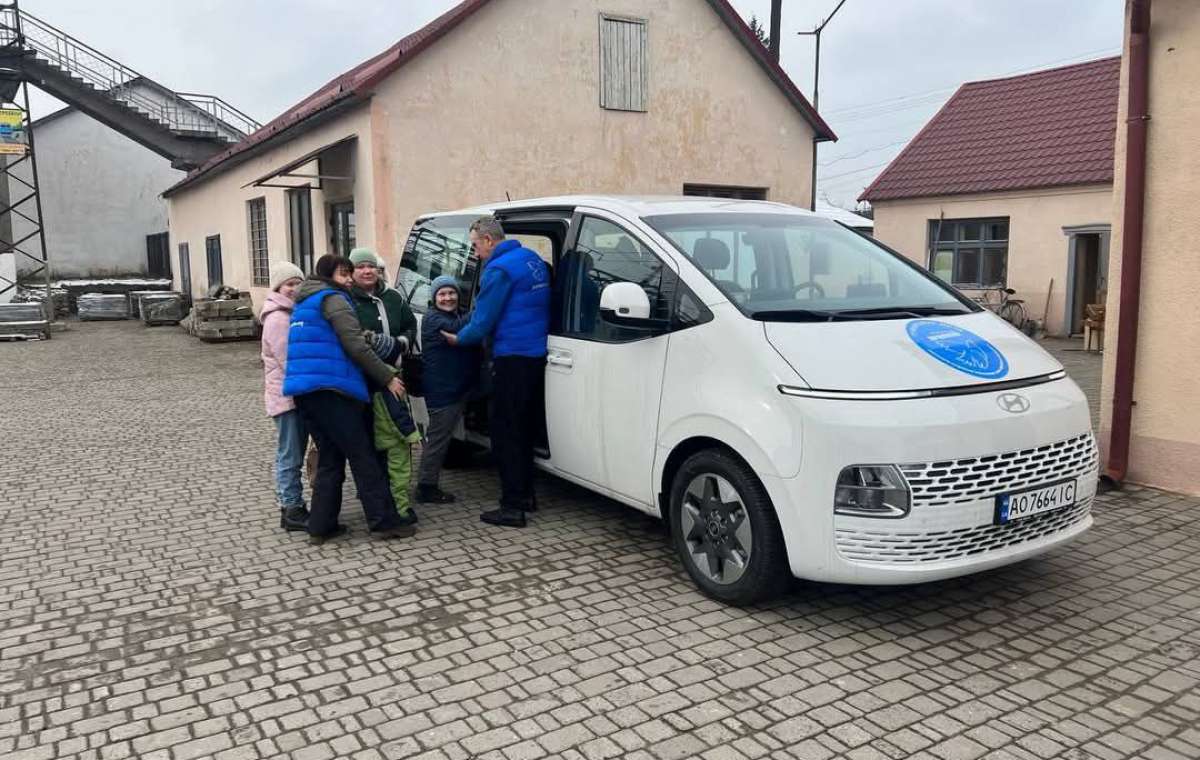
(1165, 443)
(218, 206)
(100, 198)
(1037, 247)
(508, 102)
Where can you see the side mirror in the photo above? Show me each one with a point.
(625, 304)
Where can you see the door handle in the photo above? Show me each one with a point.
(560, 359)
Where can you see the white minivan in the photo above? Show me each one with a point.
(788, 394)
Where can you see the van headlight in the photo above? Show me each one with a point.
(871, 491)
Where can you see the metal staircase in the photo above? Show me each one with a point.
(186, 128)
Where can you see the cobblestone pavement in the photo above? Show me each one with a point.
(1083, 366)
(150, 607)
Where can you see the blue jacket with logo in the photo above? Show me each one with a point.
(513, 304)
(316, 360)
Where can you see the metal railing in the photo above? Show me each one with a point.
(175, 111)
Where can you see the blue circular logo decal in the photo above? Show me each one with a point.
(958, 348)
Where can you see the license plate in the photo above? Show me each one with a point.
(1034, 501)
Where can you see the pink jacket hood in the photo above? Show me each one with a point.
(276, 317)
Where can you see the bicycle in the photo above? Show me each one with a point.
(1000, 302)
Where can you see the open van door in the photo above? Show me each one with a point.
(607, 356)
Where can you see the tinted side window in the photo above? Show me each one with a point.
(435, 247)
(606, 254)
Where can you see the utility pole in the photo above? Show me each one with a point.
(776, 21)
(816, 99)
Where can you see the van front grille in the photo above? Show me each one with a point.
(959, 481)
(915, 546)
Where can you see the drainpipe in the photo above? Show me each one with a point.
(1131, 245)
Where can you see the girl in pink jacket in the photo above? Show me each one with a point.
(276, 317)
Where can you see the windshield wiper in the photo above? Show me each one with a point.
(851, 315)
(890, 312)
(800, 315)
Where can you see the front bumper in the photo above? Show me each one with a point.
(957, 454)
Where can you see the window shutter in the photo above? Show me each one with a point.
(623, 64)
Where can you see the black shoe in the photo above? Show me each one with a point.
(408, 517)
(293, 518)
(508, 518)
(396, 531)
(433, 495)
(316, 539)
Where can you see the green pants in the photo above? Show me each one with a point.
(399, 453)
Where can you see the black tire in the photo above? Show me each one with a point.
(763, 570)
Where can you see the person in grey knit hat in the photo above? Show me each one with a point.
(450, 374)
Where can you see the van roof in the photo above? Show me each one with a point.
(632, 205)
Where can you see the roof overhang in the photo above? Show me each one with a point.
(310, 122)
(288, 170)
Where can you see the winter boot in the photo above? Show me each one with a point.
(293, 518)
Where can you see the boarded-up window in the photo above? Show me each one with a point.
(623, 61)
(260, 263)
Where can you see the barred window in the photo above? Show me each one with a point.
(260, 262)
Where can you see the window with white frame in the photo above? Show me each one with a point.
(969, 253)
(623, 63)
(260, 260)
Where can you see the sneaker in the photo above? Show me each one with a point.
(316, 539)
(508, 518)
(293, 518)
(433, 495)
(396, 531)
(408, 517)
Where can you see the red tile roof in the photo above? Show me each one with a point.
(357, 84)
(1049, 128)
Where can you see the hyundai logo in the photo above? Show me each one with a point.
(1013, 403)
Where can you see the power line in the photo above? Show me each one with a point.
(863, 153)
(911, 100)
(854, 171)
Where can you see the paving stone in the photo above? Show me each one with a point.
(145, 638)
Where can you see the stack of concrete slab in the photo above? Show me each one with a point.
(161, 308)
(102, 306)
(218, 320)
(24, 320)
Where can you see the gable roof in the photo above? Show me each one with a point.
(1045, 129)
(357, 84)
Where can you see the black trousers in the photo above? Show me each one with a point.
(342, 429)
(518, 394)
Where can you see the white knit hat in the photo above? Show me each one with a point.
(282, 271)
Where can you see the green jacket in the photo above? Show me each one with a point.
(385, 302)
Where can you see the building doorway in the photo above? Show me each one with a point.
(1087, 273)
(158, 256)
(300, 228)
(342, 238)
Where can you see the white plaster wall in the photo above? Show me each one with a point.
(217, 206)
(1037, 246)
(100, 198)
(509, 102)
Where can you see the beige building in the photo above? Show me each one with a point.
(1010, 185)
(1150, 410)
(499, 98)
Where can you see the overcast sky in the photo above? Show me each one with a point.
(886, 65)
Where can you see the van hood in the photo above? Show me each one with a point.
(909, 354)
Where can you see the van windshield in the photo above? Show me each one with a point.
(435, 246)
(783, 267)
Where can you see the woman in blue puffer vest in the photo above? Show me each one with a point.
(329, 358)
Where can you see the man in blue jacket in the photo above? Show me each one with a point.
(513, 309)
